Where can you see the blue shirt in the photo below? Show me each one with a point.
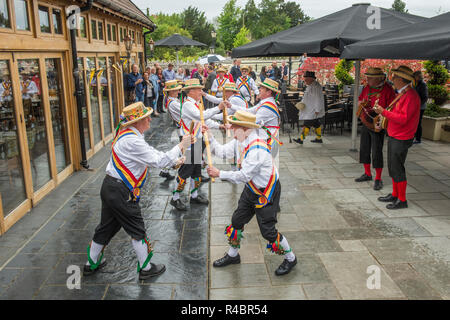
(130, 83)
(169, 75)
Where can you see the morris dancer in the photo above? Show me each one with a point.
(232, 95)
(246, 84)
(125, 176)
(314, 108)
(261, 195)
(219, 82)
(193, 166)
(372, 142)
(401, 128)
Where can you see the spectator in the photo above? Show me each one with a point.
(154, 78)
(422, 90)
(159, 104)
(270, 73)
(187, 74)
(180, 74)
(284, 70)
(133, 86)
(252, 73)
(199, 74)
(263, 74)
(236, 69)
(276, 71)
(211, 76)
(169, 73)
(197, 65)
(228, 74)
(149, 91)
(205, 70)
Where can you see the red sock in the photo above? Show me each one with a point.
(378, 175)
(394, 189)
(401, 189)
(367, 169)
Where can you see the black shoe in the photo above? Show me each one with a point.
(388, 198)
(299, 141)
(317, 140)
(417, 141)
(397, 204)
(226, 260)
(285, 267)
(205, 179)
(154, 271)
(166, 175)
(378, 185)
(178, 205)
(87, 269)
(199, 200)
(363, 178)
(162, 111)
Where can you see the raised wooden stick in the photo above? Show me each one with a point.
(225, 114)
(208, 149)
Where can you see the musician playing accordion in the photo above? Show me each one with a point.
(377, 91)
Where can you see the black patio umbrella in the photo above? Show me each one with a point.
(177, 41)
(327, 37)
(429, 39)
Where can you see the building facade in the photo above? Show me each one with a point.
(40, 140)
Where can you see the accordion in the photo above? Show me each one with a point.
(367, 116)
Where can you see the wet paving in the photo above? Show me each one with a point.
(40, 258)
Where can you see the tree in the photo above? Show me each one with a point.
(272, 18)
(229, 24)
(242, 37)
(295, 13)
(250, 17)
(399, 6)
(195, 22)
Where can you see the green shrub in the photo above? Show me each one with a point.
(436, 84)
(434, 111)
(438, 93)
(342, 73)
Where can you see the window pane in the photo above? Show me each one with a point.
(57, 26)
(4, 14)
(93, 95)
(114, 37)
(121, 34)
(109, 32)
(100, 30)
(83, 27)
(33, 109)
(94, 29)
(12, 186)
(112, 85)
(104, 92)
(82, 71)
(21, 8)
(44, 19)
(55, 93)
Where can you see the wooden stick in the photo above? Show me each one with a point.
(225, 114)
(208, 149)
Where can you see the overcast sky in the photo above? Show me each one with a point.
(313, 8)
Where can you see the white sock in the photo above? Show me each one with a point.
(176, 196)
(141, 252)
(195, 193)
(233, 252)
(95, 251)
(289, 256)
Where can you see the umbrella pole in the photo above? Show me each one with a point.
(177, 58)
(355, 105)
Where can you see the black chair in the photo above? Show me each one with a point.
(334, 116)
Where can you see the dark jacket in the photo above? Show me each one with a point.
(277, 73)
(422, 90)
(209, 81)
(130, 81)
(236, 73)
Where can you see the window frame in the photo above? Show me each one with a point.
(85, 19)
(30, 21)
(10, 17)
(92, 29)
(102, 29)
(41, 8)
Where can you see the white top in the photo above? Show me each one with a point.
(3, 96)
(237, 101)
(189, 113)
(314, 101)
(266, 117)
(256, 167)
(31, 89)
(215, 86)
(400, 91)
(174, 108)
(136, 155)
(244, 90)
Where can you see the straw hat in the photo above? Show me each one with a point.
(404, 72)
(221, 69)
(270, 84)
(134, 112)
(374, 72)
(192, 83)
(172, 85)
(245, 68)
(300, 106)
(229, 86)
(243, 119)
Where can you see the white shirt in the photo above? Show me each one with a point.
(244, 91)
(266, 117)
(31, 89)
(236, 100)
(400, 91)
(189, 113)
(3, 96)
(215, 86)
(174, 109)
(314, 101)
(256, 167)
(136, 155)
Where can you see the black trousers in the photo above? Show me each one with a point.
(371, 142)
(193, 165)
(266, 216)
(316, 123)
(397, 152)
(118, 212)
(419, 127)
